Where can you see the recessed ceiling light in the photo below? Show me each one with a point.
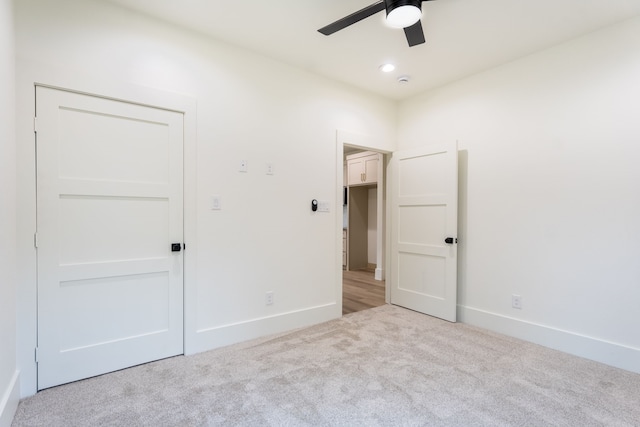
(403, 80)
(387, 68)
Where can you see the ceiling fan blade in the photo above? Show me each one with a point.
(353, 18)
(415, 35)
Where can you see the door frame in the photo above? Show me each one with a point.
(366, 143)
(28, 76)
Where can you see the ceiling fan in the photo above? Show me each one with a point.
(400, 14)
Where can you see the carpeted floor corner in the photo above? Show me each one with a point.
(387, 366)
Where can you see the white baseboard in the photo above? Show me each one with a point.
(220, 336)
(609, 353)
(379, 275)
(10, 400)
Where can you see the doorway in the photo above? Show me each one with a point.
(363, 282)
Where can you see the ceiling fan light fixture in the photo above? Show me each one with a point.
(403, 13)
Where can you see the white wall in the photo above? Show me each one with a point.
(549, 203)
(9, 387)
(248, 108)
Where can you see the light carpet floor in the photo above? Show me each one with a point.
(382, 367)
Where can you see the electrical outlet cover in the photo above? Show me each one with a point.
(268, 298)
(516, 301)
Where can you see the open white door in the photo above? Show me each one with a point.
(424, 222)
(110, 284)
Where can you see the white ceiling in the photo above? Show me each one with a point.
(463, 36)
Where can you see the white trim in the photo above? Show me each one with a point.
(381, 225)
(224, 335)
(609, 353)
(10, 400)
(339, 218)
(365, 142)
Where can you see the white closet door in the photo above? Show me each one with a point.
(109, 184)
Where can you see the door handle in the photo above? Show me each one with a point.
(176, 247)
(449, 240)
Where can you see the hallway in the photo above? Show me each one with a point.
(360, 291)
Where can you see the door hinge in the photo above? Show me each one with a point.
(37, 355)
(184, 246)
(35, 240)
(35, 124)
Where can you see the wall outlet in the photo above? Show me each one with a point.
(516, 301)
(270, 169)
(268, 298)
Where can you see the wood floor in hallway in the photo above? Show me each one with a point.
(360, 291)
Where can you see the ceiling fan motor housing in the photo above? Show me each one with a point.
(393, 4)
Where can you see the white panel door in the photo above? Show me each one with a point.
(109, 184)
(424, 215)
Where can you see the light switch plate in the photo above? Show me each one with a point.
(323, 206)
(216, 203)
